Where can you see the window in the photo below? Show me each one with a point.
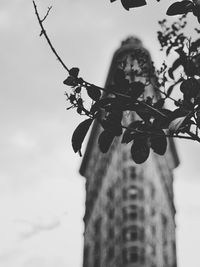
(110, 193)
(141, 234)
(132, 192)
(111, 253)
(124, 195)
(130, 233)
(141, 213)
(111, 212)
(111, 233)
(130, 212)
(130, 255)
(133, 175)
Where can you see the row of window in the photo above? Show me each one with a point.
(133, 212)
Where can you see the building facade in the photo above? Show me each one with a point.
(130, 214)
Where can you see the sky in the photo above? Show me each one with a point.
(41, 192)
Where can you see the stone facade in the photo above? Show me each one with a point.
(130, 215)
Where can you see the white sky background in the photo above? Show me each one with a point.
(41, 192)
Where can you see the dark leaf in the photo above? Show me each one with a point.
(119, 76)
(195, 45)
(79, 110)
(70, 81)
(112, 123)
(102, 103)
(105, 141)
(136, 89)
(79, 134)
(132, 3)
(74, 72)
(78, 89)
(159, 104)
(163, 122)
(179, 8)
(127, 137)
(140, 150)
(190, 87)
(94, 93)
(159, 143)
(177, 63)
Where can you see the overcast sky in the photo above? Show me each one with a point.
(41, 192)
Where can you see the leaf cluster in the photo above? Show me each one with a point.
(127, 93)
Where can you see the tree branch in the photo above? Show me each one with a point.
(43, 32)
(49, 9)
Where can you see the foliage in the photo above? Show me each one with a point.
(153, 122)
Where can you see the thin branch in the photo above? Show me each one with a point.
(49, 9)
(43, 32)
(171, 135)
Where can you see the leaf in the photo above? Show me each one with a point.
(140, 150)
(94, 93)
(112, 123)
(179, 8)
(177, 63)
(163, 122)
(74, 72)
(159, 143)
(159, 104)
(175, 125)
(79, 134)
(132, 3)
(136, 89)
(70, 81)
(102, 103)
(127, 137)
(105, 140)
(119, 76)
(190, 87)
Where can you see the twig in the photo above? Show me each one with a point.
(43, 32)
(49, 9)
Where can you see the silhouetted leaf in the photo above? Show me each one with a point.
(102, 103)
(140, 150)
(105, 141)
(136, 89)
(179, 8)
(163, 122)
(119, 76)
(159, 143)
(70, 81)
(74, 72)
(78, 89)
(79, 134)
(127, 137)
(94, 93)
(190, 87)
(112, 123)
(132, 3)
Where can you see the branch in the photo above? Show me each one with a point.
(49, 9)
(43, 32)
(171, 135)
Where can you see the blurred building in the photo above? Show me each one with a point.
(130, 214)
